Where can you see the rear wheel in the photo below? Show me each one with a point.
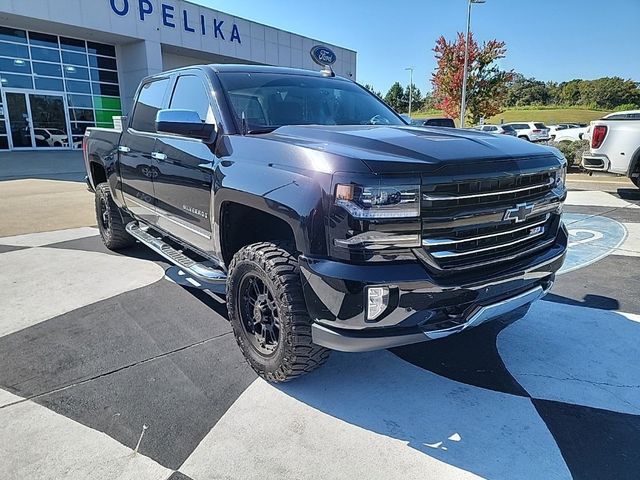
(524, 137)
(268, 313)
(111, 221)
(636, 181)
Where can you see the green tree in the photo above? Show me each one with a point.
(417, 100)
(527, 91)
(395, 98)
(486, 85)
(372, 89)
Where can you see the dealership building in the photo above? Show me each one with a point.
(70, 64)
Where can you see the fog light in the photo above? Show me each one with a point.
(377, 301)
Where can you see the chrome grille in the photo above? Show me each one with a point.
(464, 224)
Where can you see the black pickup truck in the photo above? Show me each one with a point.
(327, 220)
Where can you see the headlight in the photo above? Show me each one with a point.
(561, 177)
(381, 201)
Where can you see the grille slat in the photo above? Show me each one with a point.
(480, 236)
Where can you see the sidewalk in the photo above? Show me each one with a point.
(43, 191)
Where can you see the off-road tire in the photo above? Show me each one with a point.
(111, 220)
(636, 181)
(295, 354)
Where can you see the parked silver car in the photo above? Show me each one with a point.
(531, 131)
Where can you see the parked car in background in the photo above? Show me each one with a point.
(433, 122)
(497, 129)
(615, 145)
(567, 132)
(50, 137)
(531, 131)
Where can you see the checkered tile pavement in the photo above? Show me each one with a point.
(110, 370)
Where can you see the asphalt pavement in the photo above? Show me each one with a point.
(112, 370)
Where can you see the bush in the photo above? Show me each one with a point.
(626, 106)
(572, 150)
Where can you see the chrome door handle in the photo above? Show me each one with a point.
(158, 156)
(123, 149)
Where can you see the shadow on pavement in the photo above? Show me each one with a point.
(590, 300)
(563, 371)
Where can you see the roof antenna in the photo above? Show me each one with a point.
(244, 124)
(327, 71)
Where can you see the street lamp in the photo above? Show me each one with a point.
(463, 103)
(410, 88)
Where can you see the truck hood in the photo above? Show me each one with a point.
(388, 149)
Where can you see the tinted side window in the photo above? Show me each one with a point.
(148, 104)
(190, 94)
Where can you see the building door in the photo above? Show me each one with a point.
(37, 120)
(19, 120)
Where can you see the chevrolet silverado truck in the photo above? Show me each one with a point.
(615, 145)
(328, 222)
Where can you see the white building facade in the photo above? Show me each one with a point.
(67, 65)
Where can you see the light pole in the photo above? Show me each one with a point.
(463, 103)
(410, 88)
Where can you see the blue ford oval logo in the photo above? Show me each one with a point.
(323, 55)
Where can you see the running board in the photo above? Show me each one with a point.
(200, 271)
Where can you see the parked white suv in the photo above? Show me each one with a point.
(497, 129)
(531, 131)
(615, 145)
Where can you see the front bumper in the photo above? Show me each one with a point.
(421, 307)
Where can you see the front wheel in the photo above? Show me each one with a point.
(110, 220)
(268, 313)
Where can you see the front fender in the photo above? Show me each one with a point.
(296, 197)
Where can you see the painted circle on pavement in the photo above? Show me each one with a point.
(591, 238)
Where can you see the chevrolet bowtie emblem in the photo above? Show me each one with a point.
(520, 213)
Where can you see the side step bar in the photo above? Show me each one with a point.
(207, 274)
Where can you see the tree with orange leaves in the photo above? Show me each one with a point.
(486, 83)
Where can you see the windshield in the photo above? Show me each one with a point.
(269, 101)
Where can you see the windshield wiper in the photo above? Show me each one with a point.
(257, 131)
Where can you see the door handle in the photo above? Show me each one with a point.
(158, 156)
(123, 149)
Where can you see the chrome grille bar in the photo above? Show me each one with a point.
(450, 254)
(433, 242)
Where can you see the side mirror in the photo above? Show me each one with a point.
(186, 123)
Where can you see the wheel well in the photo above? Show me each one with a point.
(242, 225)
(98, 173)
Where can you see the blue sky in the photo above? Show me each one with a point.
(547, 39)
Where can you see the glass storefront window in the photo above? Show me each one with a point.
(16, 65)
(74, 58)
(45, 54)
(104, 76)
(13, 50)
(47, 69)
(13, 35)
(44, 83)
(57, 68)
(107, 103)
(79, 73)
(102, 62)
(73, 44)
(106, 116)
(16, 81)
(43, 40)
(105, 89)
(101, 49)
(82, 101)
(78, 87)
(77, 115)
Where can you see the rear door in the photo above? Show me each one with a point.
(185, 166)
(136, 146)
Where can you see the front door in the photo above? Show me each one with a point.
(185, 166)
(137, 143)
(37, 120)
